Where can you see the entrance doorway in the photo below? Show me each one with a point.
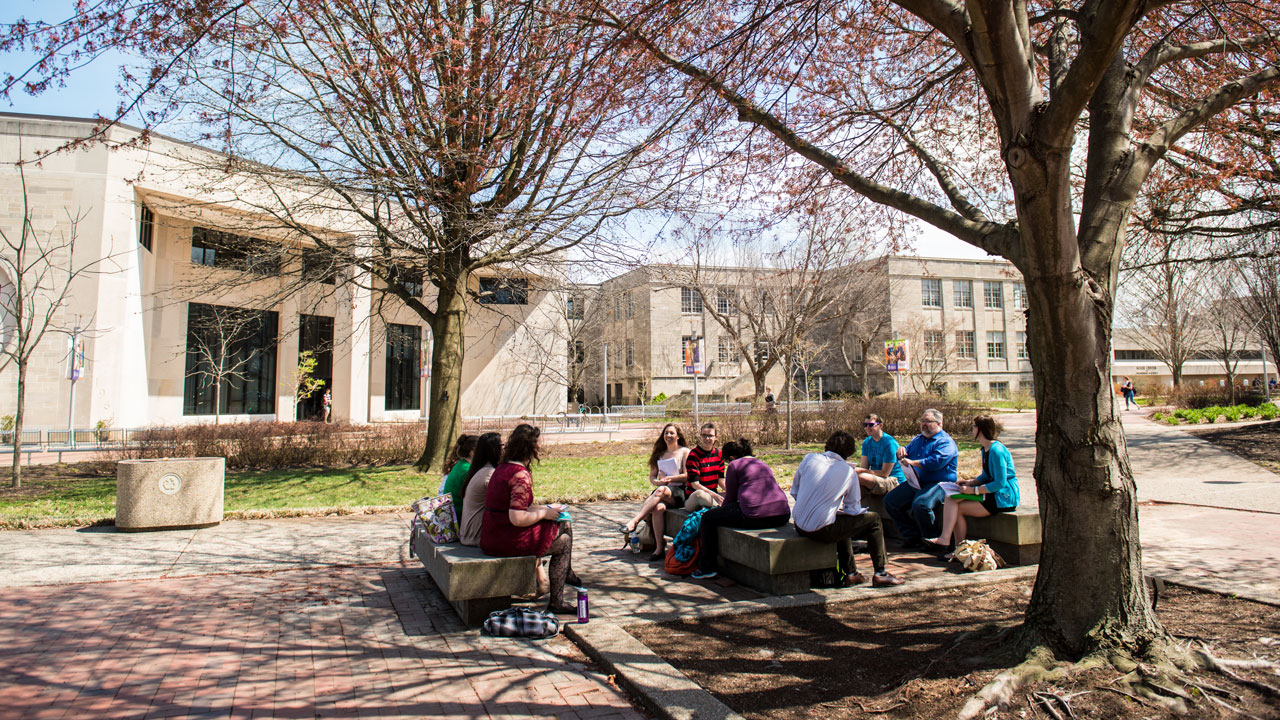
(316, 336)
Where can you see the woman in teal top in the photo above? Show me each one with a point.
(998, 485)
(452, 484)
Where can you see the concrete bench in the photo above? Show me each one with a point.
(775, 561)
(1015, 535)
(474, 583)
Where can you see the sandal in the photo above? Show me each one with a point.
(658, 556)
(626, 537)
(573, 580)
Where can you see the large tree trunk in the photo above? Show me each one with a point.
(447, 352)
(1090, 594)
(19, 414)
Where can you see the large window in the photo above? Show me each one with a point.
(575, 309)
(403, 367)
(235, 252)
(631, 354)
(727, 351)
(146, 226)
(409, 279)
(962, 292)
(231, 361)
(933, 348)
(504, 291)
(999, 389)
(995, 345)
(726, 299)
(1022, 346)
(931, 292)
(992, 294)
(631, 305)
(1020, 296)
(318, 266)
(964, 344)
(690, 300)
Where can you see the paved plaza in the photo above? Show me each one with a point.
(329, 617)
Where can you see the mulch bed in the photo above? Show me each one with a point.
(922, 657)
(1259, 443)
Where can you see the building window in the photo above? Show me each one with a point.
(318, 267)
(403, 367)
(235, 252)
(501, 291)
(995, 345)
(964, 344)
(631, 306)
(933, 344)
(577, 352)
(762, 351)
(1135, 355)
(230, 351)
(931, 292)
(617, 308)
(631, 354)
(1020, 296)
(146, 227)
(999, 389)
(962, 292)
(690, 300)
(992, 294)
(727, 352)
(408, 279)
(575, 307)
(1022, 346)
(726, 299)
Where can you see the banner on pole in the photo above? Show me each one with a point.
(895, 356)
(692, 357)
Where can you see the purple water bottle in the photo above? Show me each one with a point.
(583, 614)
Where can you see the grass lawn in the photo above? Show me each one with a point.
(69, 496)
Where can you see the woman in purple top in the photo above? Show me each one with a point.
(752, 500)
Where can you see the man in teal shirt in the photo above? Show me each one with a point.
(878, 470)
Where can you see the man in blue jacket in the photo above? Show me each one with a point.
(934, 456)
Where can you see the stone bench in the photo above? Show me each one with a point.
(474, 583)
(775, 561)
(1015, 535)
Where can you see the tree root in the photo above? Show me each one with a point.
(1038, 666)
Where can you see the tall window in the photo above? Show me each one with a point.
(933, 344)
(576, 307)
(403, 367)
(230, 351)
(962, 291)
(1020, 296)
(999, 389)
(690, 300)
(318, 267)
(964, 344)
(727, 351)
(409, 279)
(995, 345)
(631, 307)
(931, 292)
(631, 354)
(1022, 346)
(726, 298)
(504, 291)
(146, 226)
(236, 252)
(992, 294)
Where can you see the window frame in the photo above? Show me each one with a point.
(691, 301)
(966, 345)
(957, 295)
(994, 345)
(402, 380)
(992, 295)
(928, 288)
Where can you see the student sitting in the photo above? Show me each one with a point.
(828, 509)
(998, 485)
(667, 475)
(704, 468)
(752, 500)
(487, 457)
(459, 466)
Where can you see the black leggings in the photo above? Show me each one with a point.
(561, 571)
(727, 515)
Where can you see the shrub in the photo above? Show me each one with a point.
(274, 445)
(1268, 411)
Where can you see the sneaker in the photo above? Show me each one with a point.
(884, 579)
(854, 579)
(699, 575)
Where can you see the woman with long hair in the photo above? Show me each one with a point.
(459, 465)
(667, 475)
(487, 456)
(998, 485)
(513, 526)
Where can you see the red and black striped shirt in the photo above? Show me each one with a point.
(706, 467)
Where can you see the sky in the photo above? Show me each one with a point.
(92, 90)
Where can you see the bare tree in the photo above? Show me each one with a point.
(1165, 304)
(933, 351)
(1260, 295)
(1227, 327)
(37, 271)
(860, 332)
(223, 349)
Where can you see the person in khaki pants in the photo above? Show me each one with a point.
(878, 469)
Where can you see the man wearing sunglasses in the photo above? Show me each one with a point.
(933, 458)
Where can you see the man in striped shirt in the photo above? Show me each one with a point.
(705, 471)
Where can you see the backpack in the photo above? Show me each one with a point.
(674, 566)
(436, 517)
(521, 622)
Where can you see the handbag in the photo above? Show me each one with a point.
(977, 555)
(521, 622)
(437, 517)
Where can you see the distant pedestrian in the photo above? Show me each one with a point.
(328, 405)
(1126, 388)
(770, 404)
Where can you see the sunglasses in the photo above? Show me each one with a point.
(870, 424)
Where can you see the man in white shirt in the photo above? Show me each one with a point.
(828, 509)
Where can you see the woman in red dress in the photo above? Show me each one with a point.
(514, 526)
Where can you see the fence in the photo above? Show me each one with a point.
(559, 423)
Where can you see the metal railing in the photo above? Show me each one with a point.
(554, 423)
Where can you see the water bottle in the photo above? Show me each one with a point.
(583, 614)
(635, 541)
